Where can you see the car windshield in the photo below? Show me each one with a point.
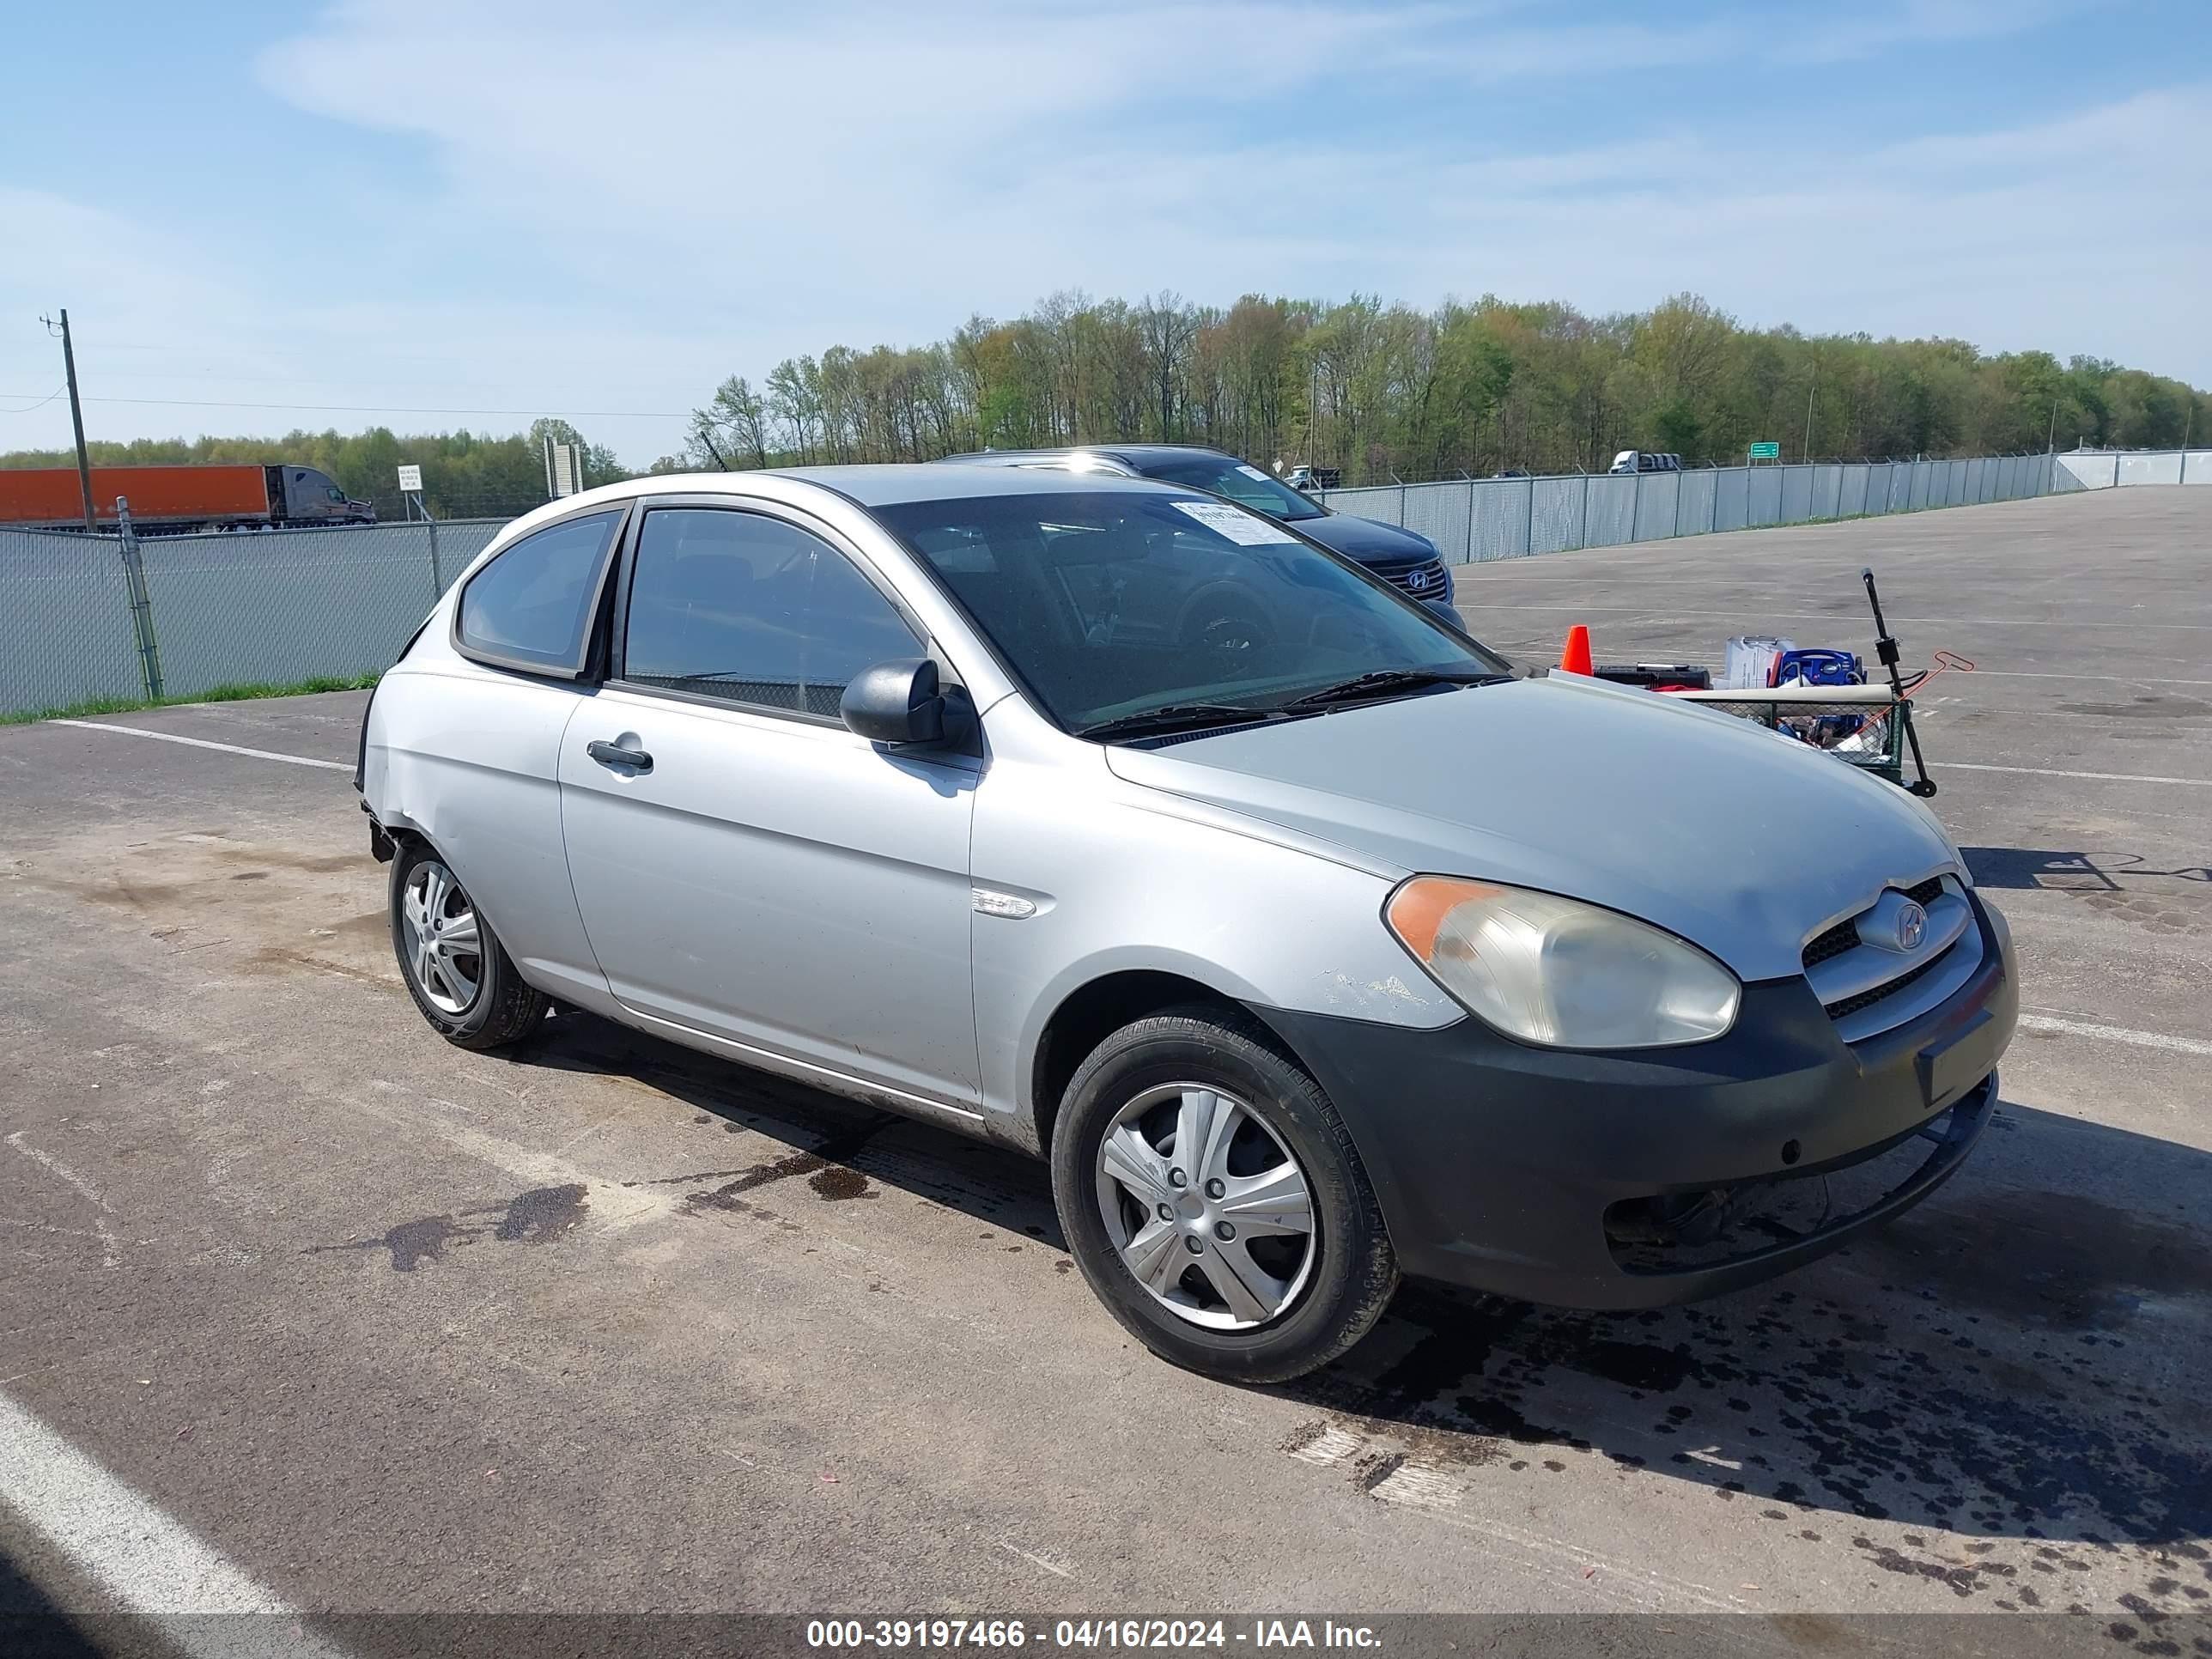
(1113, 604)
(1224, 474)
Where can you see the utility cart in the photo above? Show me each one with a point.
(1864, 725)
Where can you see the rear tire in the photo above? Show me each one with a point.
(456, 969)
(1305, 1267)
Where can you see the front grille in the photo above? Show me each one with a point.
(1844, 935)
(1850, 1005)
(1422, 581)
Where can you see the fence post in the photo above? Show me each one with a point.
(437, 576)
(142, 602)
(1582, 537)
(1528, 541)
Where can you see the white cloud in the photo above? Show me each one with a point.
(630, 209)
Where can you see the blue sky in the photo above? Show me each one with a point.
(398, 208)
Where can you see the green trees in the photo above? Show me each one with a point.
(1385, 391)
(1379, 390)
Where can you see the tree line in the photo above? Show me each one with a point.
(1385, 392)
(1379, 391)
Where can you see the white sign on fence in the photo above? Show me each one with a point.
(411, 480)
(567, 470)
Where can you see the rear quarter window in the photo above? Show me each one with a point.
(531, 607)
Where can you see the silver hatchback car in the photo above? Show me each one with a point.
(1309, 951)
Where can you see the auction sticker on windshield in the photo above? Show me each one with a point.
(1251, 471)
(1239, 526)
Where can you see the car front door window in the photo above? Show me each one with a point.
(748, 609)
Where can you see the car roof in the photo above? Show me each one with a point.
(1131, 452)
(892, 485)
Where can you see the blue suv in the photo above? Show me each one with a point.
(1407, 560)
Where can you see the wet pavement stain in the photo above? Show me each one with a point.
(542, 1215)
(838, 1183)
(825, 1164)
(1982, 1370)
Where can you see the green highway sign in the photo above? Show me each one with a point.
(1767, 451)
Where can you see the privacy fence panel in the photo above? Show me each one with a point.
(1385, 505)
(2196, 467)
(1851, 492)
(1796, 494)
(1732, 499)
(1658, 495)
(1694, 505)
(1555, 514)
(1445, 514)
(1503, 520)
(65, 629)
(1610, 518)
(1827, 491)
(1765, 495)
(263, 608)
(282, 607)
(2150, 468)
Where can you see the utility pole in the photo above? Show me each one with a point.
(76, 417)
(1809, 388)
(2050, 443)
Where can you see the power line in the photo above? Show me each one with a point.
(41, 404)
(390, 409)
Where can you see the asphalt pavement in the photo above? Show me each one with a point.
(607, 1326)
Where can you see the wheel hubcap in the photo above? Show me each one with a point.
(445, 952)
(1207, 1205)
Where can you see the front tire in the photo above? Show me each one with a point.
(456, 969)
(1214, 1199)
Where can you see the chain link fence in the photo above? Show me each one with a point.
(1473, 520)
(119, 617)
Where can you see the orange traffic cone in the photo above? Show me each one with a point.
(1576, 658)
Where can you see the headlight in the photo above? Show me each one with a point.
(1567, 974)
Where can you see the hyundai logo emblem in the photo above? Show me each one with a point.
(1911, 925)
(1418, 580)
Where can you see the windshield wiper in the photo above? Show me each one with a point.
(1382, 681)
(1178, 717)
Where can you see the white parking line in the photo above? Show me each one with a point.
(203, 743)
(1831, 617)
(2115, 1034)
(2117, 679)
(2052, 772)
(147, 1559)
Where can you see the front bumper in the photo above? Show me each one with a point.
(1634, 1180)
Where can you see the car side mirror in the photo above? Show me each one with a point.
(896, 701)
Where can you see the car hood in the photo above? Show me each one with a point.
(1741, 840)
(1365, 540)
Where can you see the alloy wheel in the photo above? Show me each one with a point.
(1210, 1211)
(444, 945)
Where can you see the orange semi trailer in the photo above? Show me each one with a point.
(179, 498)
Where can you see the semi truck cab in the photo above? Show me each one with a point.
(309, 495)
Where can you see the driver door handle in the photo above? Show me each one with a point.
(612, 754)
